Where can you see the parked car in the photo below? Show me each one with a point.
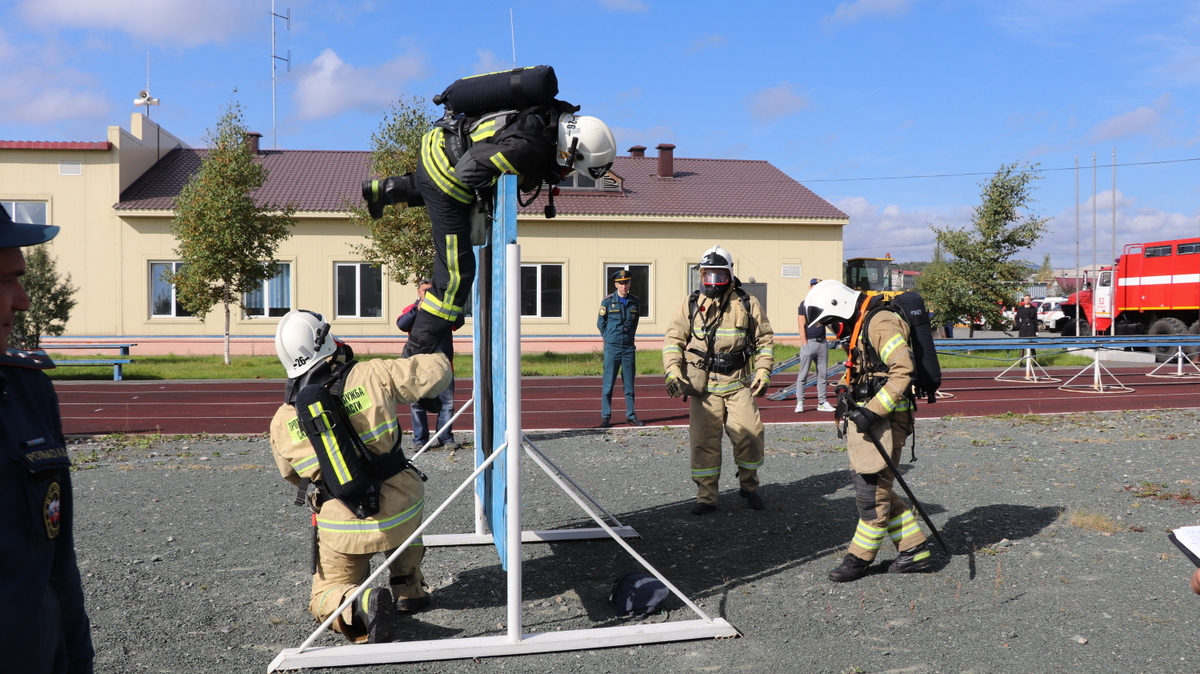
(1049, 313)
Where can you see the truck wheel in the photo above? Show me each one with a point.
(1166, 326)
(1191, 351)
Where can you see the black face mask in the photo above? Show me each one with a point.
(715, 291)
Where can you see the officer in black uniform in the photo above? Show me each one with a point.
(618, 321)
(43, 626)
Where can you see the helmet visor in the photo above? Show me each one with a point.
(714, 277)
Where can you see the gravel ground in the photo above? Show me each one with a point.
(195, 560)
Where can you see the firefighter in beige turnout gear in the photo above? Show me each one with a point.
(346, 543)
(879, 378)
(718, 350)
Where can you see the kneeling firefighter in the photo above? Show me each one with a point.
(505, 122)
(877, 397)
(337, 438)
(719, 350)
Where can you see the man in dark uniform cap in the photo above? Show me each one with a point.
(618, 321)
(44, 627)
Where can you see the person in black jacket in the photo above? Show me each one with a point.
(1027, 320)
(420, 422)
(44, 626)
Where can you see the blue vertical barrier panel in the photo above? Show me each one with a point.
(491, 351)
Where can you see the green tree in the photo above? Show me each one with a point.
(1046, 273)
(50, 300)
(227, 240)
(980, 269)
(402, 239)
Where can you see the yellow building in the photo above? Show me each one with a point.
(652, 215)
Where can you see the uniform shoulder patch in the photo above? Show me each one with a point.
(33, 360)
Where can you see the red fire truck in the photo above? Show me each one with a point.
(1154, 287)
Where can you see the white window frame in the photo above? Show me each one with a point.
(177, 311)
(10, 207)
(646, 308)
(358, 295)
(267, 286)
(541, 290)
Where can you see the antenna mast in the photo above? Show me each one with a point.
(512, 29)
(275, 57)
(143, 97)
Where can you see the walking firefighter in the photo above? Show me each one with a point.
(718, 352)
(877, 397)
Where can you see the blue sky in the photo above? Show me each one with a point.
(833, 93)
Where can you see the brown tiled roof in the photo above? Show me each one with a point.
(735, 188)
(324, 180)
(310, 180)
(54, 145)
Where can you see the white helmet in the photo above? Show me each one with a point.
(595, 147)
(830, 302)
(302, 340)
(716, 271)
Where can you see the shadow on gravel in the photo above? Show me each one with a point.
(713, 556)
(979, 528)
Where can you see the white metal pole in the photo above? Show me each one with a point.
(1112, 327)
(426, 521)
(512, 381)
(1078, 271)
(1096, 284)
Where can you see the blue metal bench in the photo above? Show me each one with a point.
(117, 363)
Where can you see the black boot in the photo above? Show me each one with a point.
(373, 615)
(753, 500)
(605, 423)
(634, 421)
(915, 560)
(699, 508)
(851, 568)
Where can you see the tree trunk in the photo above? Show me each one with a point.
(225, 302)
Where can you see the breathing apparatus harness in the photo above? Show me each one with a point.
(722, 362)
(350, 471)
(873, 369)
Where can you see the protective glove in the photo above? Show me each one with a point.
(762, 381)
(674, 383)
(844, 402)
(862, 418)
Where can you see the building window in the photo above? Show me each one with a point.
(70, 168)
(163, 302)
(639, 287)
(610, 182)
(274, 297)
(28, 212)
(359, 290)
(542, 290)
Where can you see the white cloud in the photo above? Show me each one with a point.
(713, 41)
(489, 63)
(624, 5)
(329, 86)
(1135, 224)
(1142, 120)
(772, 103)
(184, 23)
(44, 91)
(849, 12)
(876, 230)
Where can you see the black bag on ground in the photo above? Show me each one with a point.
(911, 306)
(506, 90)
(637, 595)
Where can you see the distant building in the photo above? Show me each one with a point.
(653, 215)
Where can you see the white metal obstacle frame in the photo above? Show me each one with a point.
(515, 642)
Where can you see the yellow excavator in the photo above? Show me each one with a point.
(871, 275)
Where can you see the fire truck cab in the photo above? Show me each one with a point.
(1154, 288)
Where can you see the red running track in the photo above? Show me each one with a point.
(246, 406)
